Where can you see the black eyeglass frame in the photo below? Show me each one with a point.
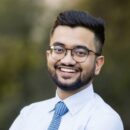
(51, 47)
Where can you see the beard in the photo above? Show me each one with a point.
(80, 82)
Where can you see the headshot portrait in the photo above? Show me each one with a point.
(74, 58)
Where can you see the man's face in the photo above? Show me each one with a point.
(67, 73)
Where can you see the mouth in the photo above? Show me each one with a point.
(68, 69)
(67, 72)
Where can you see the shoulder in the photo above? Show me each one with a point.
(103, 116)
(102, 107)
(38, 106)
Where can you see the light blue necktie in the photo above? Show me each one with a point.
(60, 110)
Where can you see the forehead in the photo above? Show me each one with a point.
(71, 37)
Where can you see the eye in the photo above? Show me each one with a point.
(80, 52)
(58, 49)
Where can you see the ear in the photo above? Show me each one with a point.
(99, 64)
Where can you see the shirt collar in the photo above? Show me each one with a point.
(77, 101)
(53, 102)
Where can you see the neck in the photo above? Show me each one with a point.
(65, 94)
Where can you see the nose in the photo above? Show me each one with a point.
(68, 59)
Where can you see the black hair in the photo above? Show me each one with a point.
(74, 18)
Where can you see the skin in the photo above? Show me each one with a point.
(71, 37)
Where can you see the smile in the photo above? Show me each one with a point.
(68, 69)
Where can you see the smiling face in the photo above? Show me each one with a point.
(67, 73)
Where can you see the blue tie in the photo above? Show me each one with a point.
(60, 110)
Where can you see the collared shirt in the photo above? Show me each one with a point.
(87, 111)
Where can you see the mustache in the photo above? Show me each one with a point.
(68, 67)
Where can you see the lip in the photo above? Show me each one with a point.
(68, 69)
(67, 72)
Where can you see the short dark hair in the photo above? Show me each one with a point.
(74, 18)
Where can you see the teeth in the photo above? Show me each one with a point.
(67, 70)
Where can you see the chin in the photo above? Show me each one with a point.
(69, 86)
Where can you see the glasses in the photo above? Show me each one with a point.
(78, 53)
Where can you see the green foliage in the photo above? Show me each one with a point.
(19, 57)
(23, 75)
(17, 60)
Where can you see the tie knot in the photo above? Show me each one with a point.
(61, 108)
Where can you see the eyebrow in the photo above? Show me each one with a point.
(78, 46)
(61, 44)
(58, 43)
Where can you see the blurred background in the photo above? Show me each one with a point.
(24, 37)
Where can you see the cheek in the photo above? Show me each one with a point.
(50, 62)
(88, 69)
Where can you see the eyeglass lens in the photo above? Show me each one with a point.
(79, 54)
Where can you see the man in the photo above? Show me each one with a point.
(74, 59)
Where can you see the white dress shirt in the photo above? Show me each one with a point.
(87, 111)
